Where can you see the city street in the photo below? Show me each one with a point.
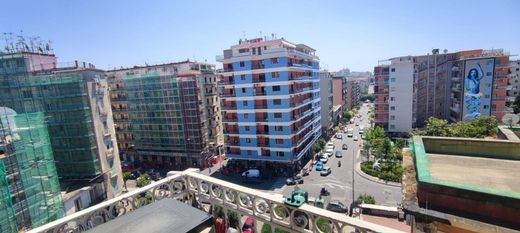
(339, 182)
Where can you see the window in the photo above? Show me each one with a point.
(392, 88)
(279, 153)
(275, 74)
(274, 60)
(278, 128)
(248, 140)
(247, 128)
(392, 98)
(392, 117)
(243, 77)
(242, 64)
(393, 70)
(277, 101)
(246, 115)
(392, 126)
(392, 108)
(254, 50)
(276, 88)
(245, 103)
(279, 141)
(392, 80)
(249, 152)
(277, 115)
(486, 106)
(243, 90)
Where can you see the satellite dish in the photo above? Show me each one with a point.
(510, 119)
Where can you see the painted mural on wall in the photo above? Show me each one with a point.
(478, 81)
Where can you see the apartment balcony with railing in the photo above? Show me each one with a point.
(205, 193)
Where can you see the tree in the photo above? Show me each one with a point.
(437, 127)
(367, 199)
(516, 104)
(126, 176)
(143, 180)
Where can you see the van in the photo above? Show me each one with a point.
(251, 173)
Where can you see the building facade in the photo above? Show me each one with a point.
(456, 86)
(513, 82)
(327, 123)
(353, 94)
(168, 115)
(339, 92)
(271, 100)
(29, 186)
(74, 99)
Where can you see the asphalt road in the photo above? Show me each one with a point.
(339, 182)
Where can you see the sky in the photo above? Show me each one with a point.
(353, 34)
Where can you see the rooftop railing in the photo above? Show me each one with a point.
(206, 193)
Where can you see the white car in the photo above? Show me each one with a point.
(355, 138)
(325, 171)
(339, 136)
(324, 159)
(326, 154)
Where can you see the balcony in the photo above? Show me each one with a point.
(229, 107)
(205, 192)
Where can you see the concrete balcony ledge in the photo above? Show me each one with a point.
(205, 193)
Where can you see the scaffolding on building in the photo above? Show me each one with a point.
(29, 184)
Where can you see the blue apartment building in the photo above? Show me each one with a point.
(270, 101)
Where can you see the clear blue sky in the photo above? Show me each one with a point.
(345, 33)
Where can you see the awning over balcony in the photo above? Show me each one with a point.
(166, 215)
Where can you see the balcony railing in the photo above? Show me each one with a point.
(205, 193)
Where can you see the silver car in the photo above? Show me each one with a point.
(325, 171)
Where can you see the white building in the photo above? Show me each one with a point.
(513, 81)
(400, 97)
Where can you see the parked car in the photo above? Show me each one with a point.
(357, 123)
(337, 206)
(325, 171)
(319, 166)
(327, 154)
(362, 136)
(324, 159)
(135, 174)
(294, 180)
(355, 138)
(345, 147)
(251, 173)
(339, 136)
(338, 154)
(249, 225)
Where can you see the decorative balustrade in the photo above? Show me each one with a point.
(206, 193)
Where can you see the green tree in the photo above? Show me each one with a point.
(367, 199)
(143, 180)
(437, 127)
(516, 104)
(126, 176)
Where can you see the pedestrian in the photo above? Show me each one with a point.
(209, 169)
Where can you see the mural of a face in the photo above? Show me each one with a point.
(473, 73)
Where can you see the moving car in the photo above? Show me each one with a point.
(345, 147)
(350, 132)
(338, 154)
(324, 159)
(319, 166)
(357, 123)
(337, 206)
(339, 136)
(355, 138)
(325, 171)
(249, 225)
(294, 180)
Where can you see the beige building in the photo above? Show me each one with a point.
(167, 115)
